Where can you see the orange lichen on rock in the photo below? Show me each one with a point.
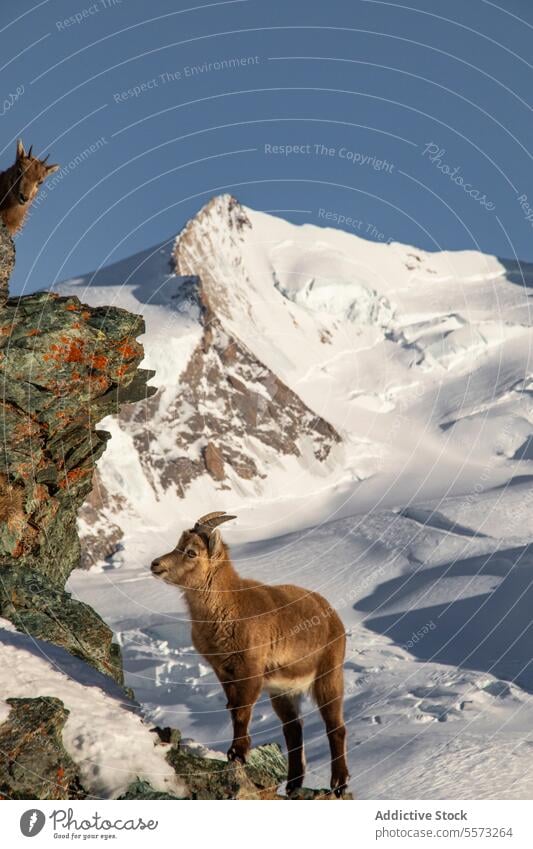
(60, 380)
(26, 429)
(127, 350)
(18, 550)
(23, 470)
(75, 353)
(73, 476)
(99, 362)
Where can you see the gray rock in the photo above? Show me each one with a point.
(142, 789)
(7, 261)
(34, 763)
(63, 367)
(213, 778)
(40, 607)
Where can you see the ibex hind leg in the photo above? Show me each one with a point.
(328, 690)
(287, 707)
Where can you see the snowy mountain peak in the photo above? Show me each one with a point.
(211, 247)
(222, 212)
(215, 232)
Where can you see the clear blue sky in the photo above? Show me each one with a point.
(376, 81)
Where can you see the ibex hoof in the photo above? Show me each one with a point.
(236, 757)
(340, 790)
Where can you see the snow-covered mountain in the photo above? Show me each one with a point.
(365, 410)
(294, 363)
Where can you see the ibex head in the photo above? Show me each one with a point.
(29, 174)
(197, 552)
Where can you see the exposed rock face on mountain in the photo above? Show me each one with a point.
(243, 399)
(212, 242)
(230, 410)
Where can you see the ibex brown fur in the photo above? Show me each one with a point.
(284, 639)
(19, 185)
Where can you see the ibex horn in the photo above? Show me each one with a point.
(30, 150)
(45, 160)
(210, 521)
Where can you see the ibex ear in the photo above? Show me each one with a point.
(20, 149)
(215, 545)
(51, 169)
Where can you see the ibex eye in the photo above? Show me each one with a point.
(191, 552)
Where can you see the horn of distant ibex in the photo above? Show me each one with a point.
(210, 521)
(46, 158)
(30, 150)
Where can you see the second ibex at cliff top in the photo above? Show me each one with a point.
(19, 185)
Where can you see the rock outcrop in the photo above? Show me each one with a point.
(216, 779)
(38, 606)
(7, 261)
(33, 762)
(260, 778)
(211, 778)
(63, 367)
(141, 789)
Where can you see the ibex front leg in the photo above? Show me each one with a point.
(242, 694)
(287, 707)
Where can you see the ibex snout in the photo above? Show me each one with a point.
(156, 567)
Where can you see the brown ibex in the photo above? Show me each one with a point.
(19, 185)
(284, 639)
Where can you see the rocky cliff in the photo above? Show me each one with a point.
(34, 762)
(63, 367)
